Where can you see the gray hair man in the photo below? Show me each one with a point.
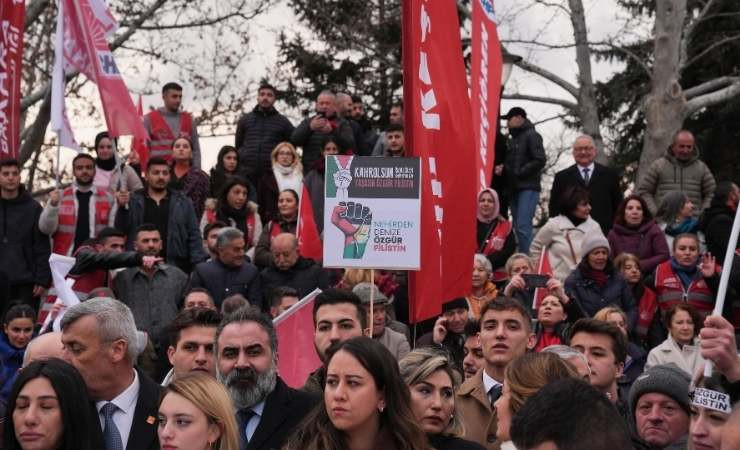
(229, 273)
(100, 340)
(246, 363)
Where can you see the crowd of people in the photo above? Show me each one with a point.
(180, 274)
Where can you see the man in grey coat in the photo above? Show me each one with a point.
(678, 170)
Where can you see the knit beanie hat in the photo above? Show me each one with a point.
(593, 241)
(665, 379)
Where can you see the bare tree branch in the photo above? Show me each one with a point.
(535, 98)
(34, 11)
(709, 86)
(709, 49)
(544, 73)
(713, 98)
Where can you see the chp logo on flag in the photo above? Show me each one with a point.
(107, 65)
(487, 6)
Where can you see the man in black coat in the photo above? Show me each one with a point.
(258, 133)
(600, 181)
(716, 223)
(523, 170)
(24, 249)
(100, 340)
(229, 273)
(246, 363)
(291, 269)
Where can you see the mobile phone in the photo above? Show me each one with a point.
(533, 280)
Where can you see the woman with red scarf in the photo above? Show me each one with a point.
(595, 283)
(554, 317)
(494, 236)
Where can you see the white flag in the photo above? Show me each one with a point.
(59, 120)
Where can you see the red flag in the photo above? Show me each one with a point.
(485, 89)
(543, 268)
(12, 24)
(439, 131)
(138, 145)
(297, 356)
(309, 242)
(86, 23)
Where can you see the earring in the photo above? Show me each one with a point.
(381, 408)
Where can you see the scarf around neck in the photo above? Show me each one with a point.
(685, 273)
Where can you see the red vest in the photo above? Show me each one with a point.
(162, 135)
(669, 290)
(647, 306)
(494, 243)
(64, 237)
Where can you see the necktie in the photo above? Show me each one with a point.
(586, 178)
(243, 416)
(494, 394)
(110, 431)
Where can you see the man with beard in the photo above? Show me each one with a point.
(246, 363)
(153, 293)
(80, 212)
(170, 211)
(313, 131)
(258, 132)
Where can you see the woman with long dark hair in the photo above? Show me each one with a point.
(314, 180)
(187, 178)
(49, 409)
(234, 209)
(636, 232)
(366, 404)
(285, 222)
(18, 325)
(227, 166)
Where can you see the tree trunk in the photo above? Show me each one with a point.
(587, 109)
(665, 105)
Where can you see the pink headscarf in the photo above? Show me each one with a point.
(496, 211)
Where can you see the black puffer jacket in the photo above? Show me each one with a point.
(525, 158)
(257, 134)
(716, 224)
(24, 249)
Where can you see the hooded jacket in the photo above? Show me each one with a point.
(667, 174)
(24, 249)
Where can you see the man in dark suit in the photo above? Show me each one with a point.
(246, 363)
(600, 181)
(101, 341)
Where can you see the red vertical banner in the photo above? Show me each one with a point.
(439, 131)
(485, 87)
(12, 24)
(309, 241)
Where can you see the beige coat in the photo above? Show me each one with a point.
(395, 342)
(687, 358)
(563, 241)
(476, 413)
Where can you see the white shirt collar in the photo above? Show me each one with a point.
(259, 408)
(126, 400)
(488, 382)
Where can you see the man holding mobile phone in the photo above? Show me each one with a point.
(449, 330)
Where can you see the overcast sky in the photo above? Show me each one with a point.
(516, 22)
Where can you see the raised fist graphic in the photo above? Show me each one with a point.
(354, 220)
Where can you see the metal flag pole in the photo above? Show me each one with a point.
(372, 299)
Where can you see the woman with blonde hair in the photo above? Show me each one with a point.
(433, 380)
(196, 413)
(524, 376)
(287, 173)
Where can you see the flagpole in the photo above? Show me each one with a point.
(59, 156)
(372, 299)
(719, 304)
